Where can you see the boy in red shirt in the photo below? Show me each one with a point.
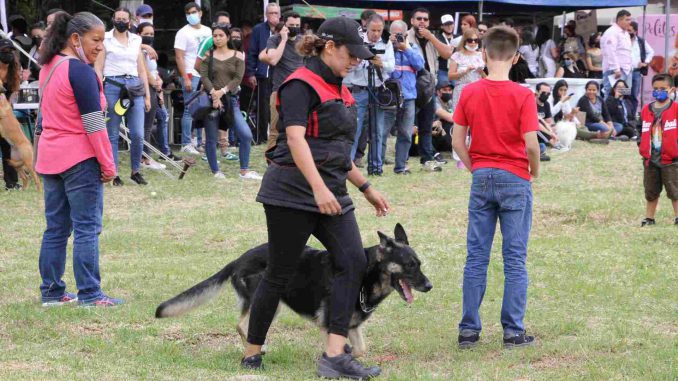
(659, 147)
(503, 157)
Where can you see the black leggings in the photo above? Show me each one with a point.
(288, 232)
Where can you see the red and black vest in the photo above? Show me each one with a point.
(668, 123)
(330, 131)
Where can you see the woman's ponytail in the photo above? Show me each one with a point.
(310, 45)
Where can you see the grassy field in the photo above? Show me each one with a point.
(603, 296)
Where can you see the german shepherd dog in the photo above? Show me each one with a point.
(391, 265)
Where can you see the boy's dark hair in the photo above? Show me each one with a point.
(38, 25)
(508, 21)
(142, 26)
(190, 5)
(501, 43)
(288, 15)
(623, 13)
(487, 24)
(634, 25)
(663, 77)
(540, 84)
(420, 10)
(221, 14)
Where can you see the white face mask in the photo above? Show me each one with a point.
(143, 20)
(471, 48)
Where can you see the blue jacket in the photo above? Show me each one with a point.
(258, 39)
(407, 64)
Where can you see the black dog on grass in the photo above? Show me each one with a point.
(392, 265)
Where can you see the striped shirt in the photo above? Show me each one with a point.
(73, 125)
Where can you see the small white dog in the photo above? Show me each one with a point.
(567, 132)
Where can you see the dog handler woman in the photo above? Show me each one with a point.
(304, 191)
(74, 157)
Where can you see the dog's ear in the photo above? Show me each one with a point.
(400, 235)
(383, 246)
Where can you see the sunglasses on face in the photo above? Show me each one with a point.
(421, 18)
(473, 40)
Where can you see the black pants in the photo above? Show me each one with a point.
(263, 113)
(9, 173)
(424, 122)
(288, 232)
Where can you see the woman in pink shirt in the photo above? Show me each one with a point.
(74, 158)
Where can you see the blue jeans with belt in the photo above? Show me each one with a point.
(134, 118)
(497, 195)
(74, 202)
(241, 129)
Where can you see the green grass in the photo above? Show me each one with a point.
(603, 295)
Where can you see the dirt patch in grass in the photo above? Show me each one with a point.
(556, 361)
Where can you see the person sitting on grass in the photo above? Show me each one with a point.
(659, 147)
(597, 114)
(563, 111)
(504, 157)
(622, 111)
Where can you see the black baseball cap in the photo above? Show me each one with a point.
(347, 32)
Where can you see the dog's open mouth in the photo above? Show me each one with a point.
(405, 290)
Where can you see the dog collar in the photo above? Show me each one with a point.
(363, 302)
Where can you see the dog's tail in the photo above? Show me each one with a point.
(195, 296)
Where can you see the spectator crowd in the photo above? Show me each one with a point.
(406, 94)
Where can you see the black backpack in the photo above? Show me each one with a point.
(426, 87)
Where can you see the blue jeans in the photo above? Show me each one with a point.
(607, 85)
(134, 118)
(374, 160)
(424, 124)
(595, 127)
(242, 131)
(186, 119)
(74, 202)
(161, 129)
(618, 127)
(497, 194)
(405, 124)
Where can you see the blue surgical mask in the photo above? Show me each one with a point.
(193, 19)
(660, 95)
(567, 62)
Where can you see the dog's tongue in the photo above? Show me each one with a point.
(407, 291)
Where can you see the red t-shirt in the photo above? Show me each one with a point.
(498, 114)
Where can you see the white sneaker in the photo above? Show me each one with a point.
(153, 165)
(220, 176)
(251, 175)
(190, 149)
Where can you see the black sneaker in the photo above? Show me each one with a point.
(439, 158)
(648, 221)
(374, 370)
(470, 341)
(344, 366)
(137, 178)
(405, 171)
(117, 182)
(518, 340)
(13, 186)
(252, 363)
(544, 157)
(359, 163)
(675, 222)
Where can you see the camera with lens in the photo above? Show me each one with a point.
(400, 37)
(375, 51)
